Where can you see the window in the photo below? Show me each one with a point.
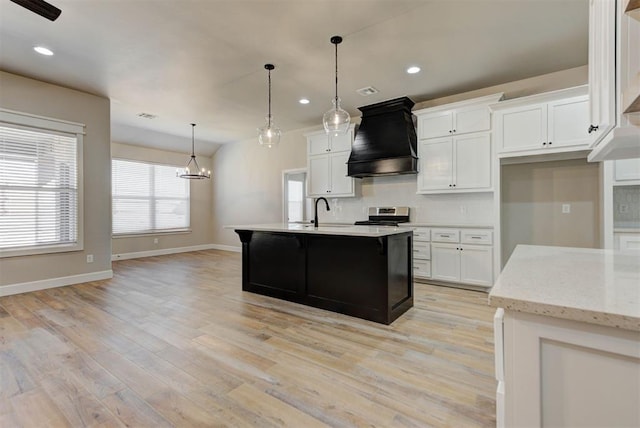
(148, 198)
(39, 184)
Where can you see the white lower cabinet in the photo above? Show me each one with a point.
(566, 373)
(453, 259)
(421, 253)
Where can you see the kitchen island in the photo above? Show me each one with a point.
(362, 271)
(567, 336)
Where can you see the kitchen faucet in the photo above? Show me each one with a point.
(315, 216)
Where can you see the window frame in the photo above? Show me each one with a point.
(152, 232)
(27, 121)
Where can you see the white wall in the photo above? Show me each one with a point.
(248, 178)
(44, 99)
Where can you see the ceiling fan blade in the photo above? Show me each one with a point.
(40, 7)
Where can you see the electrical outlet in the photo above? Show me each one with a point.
(89, 258)
(155, 240)
(623, 208)
(463, 209)
(566, 208)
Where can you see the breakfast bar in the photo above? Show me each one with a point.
(361, 271)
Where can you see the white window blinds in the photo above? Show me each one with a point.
(38, 187)
(148, 198)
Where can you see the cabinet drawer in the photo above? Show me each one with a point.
(421, 250)
(445, 235)
(422, 269)
(477, 236)
(422, 234)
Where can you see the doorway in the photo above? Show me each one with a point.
(294, 191)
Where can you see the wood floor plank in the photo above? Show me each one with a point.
(173, 341)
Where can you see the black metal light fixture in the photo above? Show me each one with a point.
(192, 170)
(336, 121)
(269, 134)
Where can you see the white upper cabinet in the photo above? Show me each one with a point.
(454, 119)
(545, 123)
(327, 164)
(627, 171)
(614, 79)
(319, 143)
(454, 148)
(602, 83)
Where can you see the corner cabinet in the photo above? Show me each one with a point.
(545, 123)
(454, 147)
(327, 158)
(614, 79)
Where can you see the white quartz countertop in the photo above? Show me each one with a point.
(588, 285)
(447, 225)
(329, 229)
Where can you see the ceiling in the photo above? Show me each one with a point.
(203, 61)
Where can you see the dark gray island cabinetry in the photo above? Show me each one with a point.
(365, 272)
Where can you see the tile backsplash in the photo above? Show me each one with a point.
(626, 206)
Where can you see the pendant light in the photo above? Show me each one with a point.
(336, 121)
(192, 170)
(269, 134)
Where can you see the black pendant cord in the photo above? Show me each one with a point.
(269, 98)
(193, 152)
(336, 40)
(269, 67)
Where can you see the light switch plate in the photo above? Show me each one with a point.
(566, 208)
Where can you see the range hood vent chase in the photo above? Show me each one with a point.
(385, 143)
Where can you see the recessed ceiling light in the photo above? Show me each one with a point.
(43, 51)
(413, 70)
(303, 101)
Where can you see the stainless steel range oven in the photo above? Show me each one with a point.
(385, 216)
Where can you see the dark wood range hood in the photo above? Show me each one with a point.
(385, 143)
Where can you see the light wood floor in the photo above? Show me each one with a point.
(173, 340)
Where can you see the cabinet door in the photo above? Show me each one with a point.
(472, 119)
(476, 265)
(341, 185)
(436, 164)
(341, 143)
(445, 262)
(627, 169)
(436, 125)
(318, 144)
(568, 122)
(319, 175)
(472, 167)
(602, 32)
(523, 128)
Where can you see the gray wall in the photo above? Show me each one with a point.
(201, 203)
(36, 97)
(532, 199)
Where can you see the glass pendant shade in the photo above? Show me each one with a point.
(193, 171)
(269, 134)
(336, 121)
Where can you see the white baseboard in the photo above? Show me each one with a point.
(165, 251)
(24, 287)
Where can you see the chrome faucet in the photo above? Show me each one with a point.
(315, 215)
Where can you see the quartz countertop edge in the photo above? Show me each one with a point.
(335, 229)
(594, 286)
(447, 225)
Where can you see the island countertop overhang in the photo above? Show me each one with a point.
(333, 229)
(589, 285)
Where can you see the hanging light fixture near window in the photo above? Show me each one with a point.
(192, 170)
(336, 121)
(269, 134)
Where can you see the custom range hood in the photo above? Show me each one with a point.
(385, 143)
